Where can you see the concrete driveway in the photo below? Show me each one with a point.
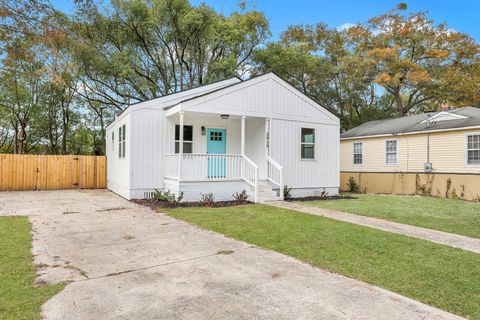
(128, 262)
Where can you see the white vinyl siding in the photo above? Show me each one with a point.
(121, 141)
(308, 144)
(298, 173)
(391, 152)
(473, 149)
(357, 153)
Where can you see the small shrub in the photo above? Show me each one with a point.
(287, 192)
(167, 196)
(352, 185)
(241, 198)
(207, 200)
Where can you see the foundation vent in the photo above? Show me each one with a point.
(148, 195)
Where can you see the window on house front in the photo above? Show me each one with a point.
(308, 143)
(121, 141)
(473, 149)
(187, 139)
(391, 155)
(357, 153)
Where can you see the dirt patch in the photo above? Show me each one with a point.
(225, 252)
(111, 209)
(70, 212)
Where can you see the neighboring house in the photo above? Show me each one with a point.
(445, 143)
(256, 135)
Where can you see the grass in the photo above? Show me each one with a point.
(437, 275)
(19, 297)
(449, 215)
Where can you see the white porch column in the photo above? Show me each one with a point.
(242, 145)
(180, 146)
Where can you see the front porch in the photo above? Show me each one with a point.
(222, 154)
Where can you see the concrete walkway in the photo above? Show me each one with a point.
(449, 239)
(128, 262)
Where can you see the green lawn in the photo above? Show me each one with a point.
(438, 275)
(19, 297)
(449, 215)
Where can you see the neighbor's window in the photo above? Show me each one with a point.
(391, 155)
(121, 142)
(308, 143)
(357, 153)
(473, 149)
(187, 139)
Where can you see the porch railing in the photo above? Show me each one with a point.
(212, 167)
(250, 175)
(275, 174)
(171, 166)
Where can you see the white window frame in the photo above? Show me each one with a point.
(308, 143)
(353, 152)
(397, 156)
(184, 141)
(467, 150)
(121, 141)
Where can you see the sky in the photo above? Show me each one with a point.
(460, 15)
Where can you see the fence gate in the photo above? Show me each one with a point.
(51, 172)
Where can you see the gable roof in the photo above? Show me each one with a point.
(444, 120)
(187, 93)
(253, 81)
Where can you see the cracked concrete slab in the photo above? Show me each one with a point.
(128, 262)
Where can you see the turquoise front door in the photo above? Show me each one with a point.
(216, 144)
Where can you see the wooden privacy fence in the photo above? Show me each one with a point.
(51, 172)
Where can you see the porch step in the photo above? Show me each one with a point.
(266, 192)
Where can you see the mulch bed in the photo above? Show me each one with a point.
(163, 204)
(151, 203)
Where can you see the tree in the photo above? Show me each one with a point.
(146, 49)
(316, 61)
(419, 63)
(393, 65)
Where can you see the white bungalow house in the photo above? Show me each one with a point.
(256, 135)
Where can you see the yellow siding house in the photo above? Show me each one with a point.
(434, 153)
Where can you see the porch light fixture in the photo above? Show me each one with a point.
(203, 130)
(224, 116)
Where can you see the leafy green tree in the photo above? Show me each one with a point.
(145, 49)
(419, 63)
(315, 59)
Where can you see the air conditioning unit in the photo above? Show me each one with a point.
(427, 167)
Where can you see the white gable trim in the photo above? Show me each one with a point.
(303, 96)
(445, 116)
(269, 76)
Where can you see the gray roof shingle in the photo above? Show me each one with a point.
(414, 124)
